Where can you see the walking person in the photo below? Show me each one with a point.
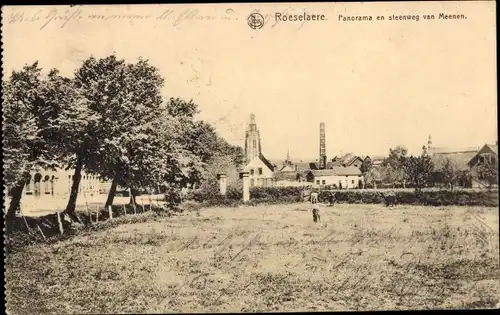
(315, 212)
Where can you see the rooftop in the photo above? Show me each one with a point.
(338, 171)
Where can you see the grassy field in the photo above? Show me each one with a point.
(360, 257)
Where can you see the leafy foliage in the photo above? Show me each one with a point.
(394, 171)
(451, 173)
(418, 170)
(488, 170)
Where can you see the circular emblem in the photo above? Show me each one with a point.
(255, 21)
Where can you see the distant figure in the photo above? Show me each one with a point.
(314, 197)
(332, 199)
(315, 211)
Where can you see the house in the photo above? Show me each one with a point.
(341, 177)
(288, 178)
(375, 160)
(348, 159)
(260, 170)
(458, 157)
(488, 153)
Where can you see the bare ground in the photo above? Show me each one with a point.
(360, 257)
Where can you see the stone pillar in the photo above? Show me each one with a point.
(246, 186)
(222, 183)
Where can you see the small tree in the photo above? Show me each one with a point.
(394, 166)
(451, 173)
(366, 166)
(418, 170)
(372, 177)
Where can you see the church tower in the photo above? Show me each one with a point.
(252, 140)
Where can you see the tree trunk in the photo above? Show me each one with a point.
(15, 204)
(77, 176)
(112, 193)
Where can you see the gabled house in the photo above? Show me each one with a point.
(346, 160)
(260, 171)
(487, 154)
(459, 158)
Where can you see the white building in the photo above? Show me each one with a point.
(339, 177)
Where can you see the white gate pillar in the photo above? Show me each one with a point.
(246, 186)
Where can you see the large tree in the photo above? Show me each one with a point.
(21, 141)
(126, 99)
(29, 132)
(214, 154)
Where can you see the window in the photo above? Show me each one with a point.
(353, 181)
(254, 144)
(260, 170)
(252, 182)
(251, 172)
(324, 182)
(317, 182)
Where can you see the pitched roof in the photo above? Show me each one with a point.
(290, 176)
(287, 168)
(487, 148)
(305, 166)
(375, 157)
(459, 159)
(338, 171)
(266, 162)
(493, 147)
(435, 150)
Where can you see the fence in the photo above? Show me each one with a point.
(51, 220)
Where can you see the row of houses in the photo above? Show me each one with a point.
(344, 171)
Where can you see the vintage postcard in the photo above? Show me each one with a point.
(250, 157)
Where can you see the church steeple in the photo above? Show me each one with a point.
(252, 140)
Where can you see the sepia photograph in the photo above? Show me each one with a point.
(250, 157)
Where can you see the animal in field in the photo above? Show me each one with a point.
(390, 200)
(331, 199)
(315, 212)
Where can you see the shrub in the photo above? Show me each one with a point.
(276, 195)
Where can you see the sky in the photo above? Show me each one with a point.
(375, 84)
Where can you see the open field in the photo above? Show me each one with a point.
(360, 257)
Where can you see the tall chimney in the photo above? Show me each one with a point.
(322, 146)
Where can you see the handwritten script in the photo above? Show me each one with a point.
(65, 17)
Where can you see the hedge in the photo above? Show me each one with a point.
(280, 195)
